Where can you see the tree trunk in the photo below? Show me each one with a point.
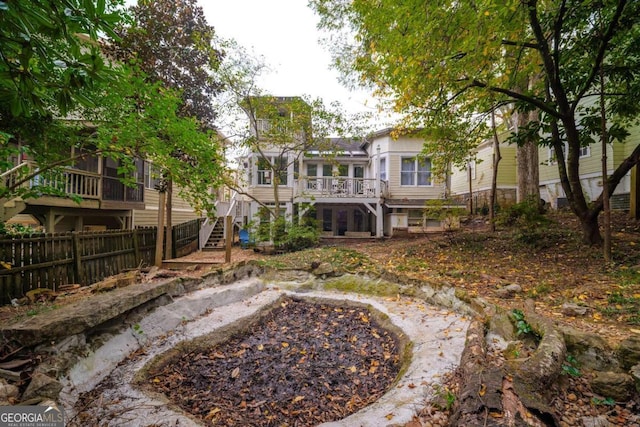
(606, 247)
(590, 230)
(494, 176)
(528, 175)
(160, 230)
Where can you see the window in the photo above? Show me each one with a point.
(471, 169)
(268, 166)
(327, 170)
(343, 170)
(415, 171)
(383, 168)
(312, 170)
(151, 176)
(584, 152)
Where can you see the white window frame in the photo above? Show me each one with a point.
(383, 168)
(584, 152)
(415, 172)
(264, 176)
(149, 181)
(471, 169)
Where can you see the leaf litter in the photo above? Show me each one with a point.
(306, 363)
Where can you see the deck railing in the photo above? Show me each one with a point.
(77, 182)
(340, 187)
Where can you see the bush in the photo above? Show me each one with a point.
(299, 236)
(524, 215)
(530, 224)
(289, 235)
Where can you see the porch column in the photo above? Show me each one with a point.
(378, 184)
(379, 221)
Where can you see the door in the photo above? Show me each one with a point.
(358, 179)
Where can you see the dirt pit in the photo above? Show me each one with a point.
(301, 363)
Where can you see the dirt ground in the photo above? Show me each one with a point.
(549, 264)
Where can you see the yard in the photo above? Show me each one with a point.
(545, 263)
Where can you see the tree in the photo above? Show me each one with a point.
(172, 42)
(139, 119)
(278, 131)
(433, 56)
(49, 54)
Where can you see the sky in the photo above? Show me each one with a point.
(284, 33)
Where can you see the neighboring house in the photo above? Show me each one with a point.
(590, 172)
(181, 211)
(106, 202)
(476, 178)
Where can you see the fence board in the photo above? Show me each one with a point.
(52, 260)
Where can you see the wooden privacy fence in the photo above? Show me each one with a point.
(52, 260)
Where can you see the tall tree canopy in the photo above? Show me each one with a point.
(460, 57)
(172, 43)
(49, 54)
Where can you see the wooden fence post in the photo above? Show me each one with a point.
(229, 239)
(77, 257)
(136, 247)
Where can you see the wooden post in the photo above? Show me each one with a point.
(168, 244)
(136, 248)
(77, 258)
(160, 230)
(228, 228)
(634, 197)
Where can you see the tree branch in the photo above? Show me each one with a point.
(597, 63)
(519, 96)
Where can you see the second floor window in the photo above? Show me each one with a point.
(268, 167)
(553, 160)
(415, 171)
(151, 176)
(383, 168)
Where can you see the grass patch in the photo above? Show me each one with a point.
(623, 307)
(342, 259)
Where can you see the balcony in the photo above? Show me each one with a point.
(340, 187)
(76, 182)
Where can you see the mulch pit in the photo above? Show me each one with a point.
(305, 363)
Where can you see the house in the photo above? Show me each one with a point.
(591, 173)
(98, 200)
(477, 177)
(353, 188)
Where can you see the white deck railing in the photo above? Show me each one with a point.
(340, 187)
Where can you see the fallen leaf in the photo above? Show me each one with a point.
(483, 390)
(297, 399)
(235, 373)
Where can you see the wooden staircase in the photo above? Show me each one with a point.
(11, 208)
(216, 241)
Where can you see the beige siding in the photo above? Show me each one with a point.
(624, 150)
(181, 210)
(265, 193)
(484, 171)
